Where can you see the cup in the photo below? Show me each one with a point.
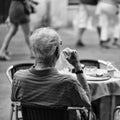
(110, 71)
(90, 70)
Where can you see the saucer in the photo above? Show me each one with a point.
(98, 75)
(90, 78)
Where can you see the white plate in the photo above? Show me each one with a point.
(90, 78)
(98, 75)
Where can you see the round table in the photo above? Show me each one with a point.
(105, 94)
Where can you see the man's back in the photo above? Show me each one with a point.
(48, 87)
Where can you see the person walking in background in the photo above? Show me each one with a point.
(80, 23)
(19, 15)
(116, 31)
(83, 20)
(41, 17)
(106, 11)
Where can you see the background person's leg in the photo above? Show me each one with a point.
(116, 33)
(3, 51)
(104, 24)
(82, 22)
(26, 31)
(80, 35)
(99, 31)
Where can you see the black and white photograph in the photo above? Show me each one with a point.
(59, 59)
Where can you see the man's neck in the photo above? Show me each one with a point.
(39, 66)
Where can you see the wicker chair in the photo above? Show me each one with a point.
(37, 112)
(15, 106)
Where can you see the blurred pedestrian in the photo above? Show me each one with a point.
(116, 31)
(83, 20)
(18, 15)
(106, 11)
(80, 23)
(41, 16)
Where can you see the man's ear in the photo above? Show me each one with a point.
(57, 53)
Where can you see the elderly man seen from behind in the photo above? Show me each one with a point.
(43, 84)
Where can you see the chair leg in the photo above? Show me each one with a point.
(11, 111)
(16, 112)
(116, 113)
(91, 115)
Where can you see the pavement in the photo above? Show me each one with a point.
(20, 53)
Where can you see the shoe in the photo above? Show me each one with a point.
(8, 53)
(104, 44)
(115, 42)
(32, 56)
(108, 40)
(116, 45)
(80, 44)
(4, 57)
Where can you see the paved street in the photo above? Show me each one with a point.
(20, 53)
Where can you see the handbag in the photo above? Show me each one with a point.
(117, 1)
(27, 8)
(90, 2)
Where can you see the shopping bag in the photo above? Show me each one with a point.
(90, 2)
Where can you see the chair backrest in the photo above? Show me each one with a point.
(37, 112)
(100, 64)
(90, 62)
(14, 68)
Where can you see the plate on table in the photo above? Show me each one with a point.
(98, 75)
(89, 78)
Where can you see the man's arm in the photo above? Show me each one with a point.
(79, 96)
(73, 59)
(15, 95)
(81, 78)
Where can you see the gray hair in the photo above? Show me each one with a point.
(45, 42)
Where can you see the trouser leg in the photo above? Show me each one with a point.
(116, 34)
(104, 25)
(80, 35)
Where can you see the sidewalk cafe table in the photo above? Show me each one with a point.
(107, 92)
